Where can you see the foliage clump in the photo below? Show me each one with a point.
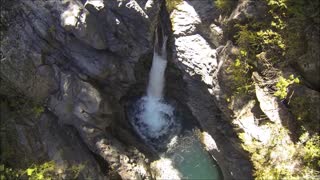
(312, 152)
(171, 4)
(282, 86)
(280, 158)
(46, 171)
(43, 171)
(239, 71)
(225, 5)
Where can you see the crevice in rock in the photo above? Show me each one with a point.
(103, 164)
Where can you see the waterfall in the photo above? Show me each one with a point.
(154, 110)
(156, 76)
(158, 121)
(152, 116)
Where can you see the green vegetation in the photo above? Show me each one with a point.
(43, 171)
(46, 171)
(312, 152)
(269, 47)
(277, 158)
(171, 4)
(18, 109)
(239, 71)
(282, 86)
(273, 39)
(225, 5)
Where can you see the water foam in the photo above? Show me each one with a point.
(156, 116)
(153, 117)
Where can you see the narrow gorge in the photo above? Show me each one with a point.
(160, 89)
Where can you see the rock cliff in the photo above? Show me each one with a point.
(68, 68)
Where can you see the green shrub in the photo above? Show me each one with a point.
(41, 172)
(274, 159)
(240, 74)
(225, 5)
(312, 152)
(37, 110)
(171, 4)
(277, 4)
(22, 106)
(45, 171)
(272, 38)
(282, 86)
(7, 173)
(302, 108)
(247, 39)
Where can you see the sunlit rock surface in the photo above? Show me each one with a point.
(196, 56)
(163, 169)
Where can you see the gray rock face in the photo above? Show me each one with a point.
(248, 9)
(268, 104)
(25, 70)
(108, 24)
(302, 103)
(31, 140)
(196, 56)
(309, 63)
(66, 149)
(78, 58)
(200, 58)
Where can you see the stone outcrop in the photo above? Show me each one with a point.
(31, 139)
(308, 64)
(77, 58)
(196, 56)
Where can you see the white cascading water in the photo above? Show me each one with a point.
(156, 75)
(153, 117)
(156, 120)
(154, 109)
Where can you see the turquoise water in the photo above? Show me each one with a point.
(193, 161)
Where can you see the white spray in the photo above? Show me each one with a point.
(153, 107)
